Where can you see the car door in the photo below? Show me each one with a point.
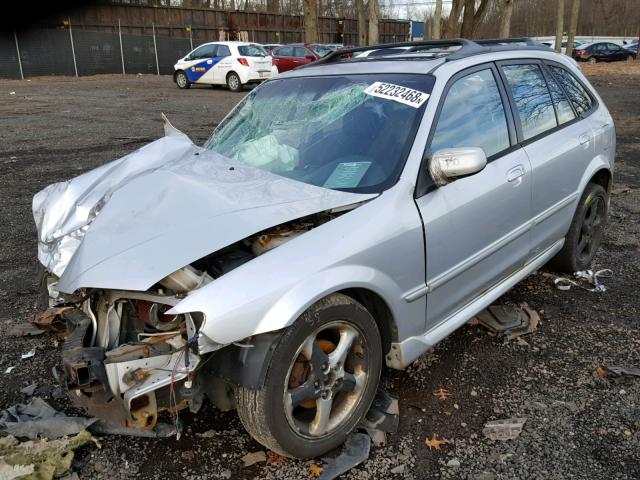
(302, 56)
(203, 57)
(283, 58)
(476, 227)
(558, 145)
(223, 62)
(616, 52)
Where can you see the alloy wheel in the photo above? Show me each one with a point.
(591, 229)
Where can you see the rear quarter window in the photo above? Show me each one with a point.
(577, 94)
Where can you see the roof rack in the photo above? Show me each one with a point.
(466, 48)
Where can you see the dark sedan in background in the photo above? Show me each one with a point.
(602, 52)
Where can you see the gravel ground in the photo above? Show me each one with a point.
(578, 425)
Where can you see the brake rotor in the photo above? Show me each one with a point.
(301, 369)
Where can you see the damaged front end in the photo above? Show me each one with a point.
(125, 360)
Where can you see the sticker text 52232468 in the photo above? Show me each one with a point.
(408, 96)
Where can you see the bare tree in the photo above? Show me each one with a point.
(311, 21)
(505, 21)
(573, 26)
(559, 25)
(374, 17)
(437, 16)
(472, 17)
(362, 22)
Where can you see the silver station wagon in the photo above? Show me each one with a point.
(344, 216)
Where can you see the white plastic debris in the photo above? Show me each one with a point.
(563, 283)
(8, 370)
(12, 93)
(507, 429)
(29, 354)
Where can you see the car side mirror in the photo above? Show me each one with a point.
(448, 164)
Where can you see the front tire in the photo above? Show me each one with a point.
(585, 233)
(320, 382)
(182, 81)
(233, 82)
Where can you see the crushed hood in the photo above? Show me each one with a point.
(131, 222)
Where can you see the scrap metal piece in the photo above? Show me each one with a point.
(590, 276)
(354, 452)
(509, 321)
(507, 429)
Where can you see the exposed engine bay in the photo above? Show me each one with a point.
(126, 359)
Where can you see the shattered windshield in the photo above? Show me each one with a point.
(349, 132)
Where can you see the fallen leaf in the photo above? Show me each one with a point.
(435, 442)
(441, 393)
(315, 470)
(274, 459)
(601, 372)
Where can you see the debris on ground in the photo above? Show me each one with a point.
(30, 390)
(383, 417)
(274, 458)
(399, 470)
(37, 419)
(252, 458)
(617, 372)
(51, 320)
(509, 321)
(315, 470)
(29, 354)
(435, 442)
(453, 463)
(42, 459)
(354, 451)
(507, 429)
(25, 330)
(591, 278)
(441, 393)
(9, 370)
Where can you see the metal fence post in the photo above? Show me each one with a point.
(121, 54)
(155, 48)
(15, 37)
(73, 50)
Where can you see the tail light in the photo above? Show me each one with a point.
(580, 52)
(243, 61)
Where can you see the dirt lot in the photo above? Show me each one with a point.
(578, 425)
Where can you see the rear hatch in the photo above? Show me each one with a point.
(257, 58)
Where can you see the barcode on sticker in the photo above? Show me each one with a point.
(408, 96)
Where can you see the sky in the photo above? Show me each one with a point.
(411, 9)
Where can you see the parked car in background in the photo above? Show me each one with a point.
(268, 47)
(234, 64)
(345, 215)
(321, 49)
(631, 47)
(602, 52)
(563, 49)
(288, 57)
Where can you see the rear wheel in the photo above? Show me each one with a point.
(182, 81)
(320, 383)
(233, 82)
(585, 234)
(592, 60)
(630, 58)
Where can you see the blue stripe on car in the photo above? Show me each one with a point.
(194, 72)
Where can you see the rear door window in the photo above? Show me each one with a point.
(577, 94)
(301, 52)
(472, 115)
(223, 51)
(532, 99)
(284, 52)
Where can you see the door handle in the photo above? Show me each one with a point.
(515, 173)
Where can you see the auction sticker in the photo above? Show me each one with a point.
(398, 93)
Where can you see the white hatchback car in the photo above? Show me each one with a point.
(234, 64)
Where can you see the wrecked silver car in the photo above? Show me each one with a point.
(343, 216)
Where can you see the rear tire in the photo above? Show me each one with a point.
(335, 336)
(592, 60)
(585, 234)
(233, 82)
(630, 58)
(182, 81)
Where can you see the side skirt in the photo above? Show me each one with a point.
(402, 354)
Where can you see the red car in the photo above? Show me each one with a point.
(291, 56)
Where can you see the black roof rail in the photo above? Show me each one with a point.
(467, 48)
(337, 55)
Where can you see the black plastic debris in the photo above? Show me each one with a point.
(354, 451)
(509, 321)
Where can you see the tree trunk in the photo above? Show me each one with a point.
(453, 22)
(374, 15)
(505, 21)
(573, 26)
(468, 18)
(437, 16)
(362, 22)
(559, 25)
(310, 21)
